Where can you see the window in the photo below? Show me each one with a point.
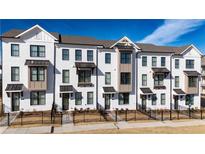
(162, 99)
(78, 98)
(154, 100)
(89, 55)
(125, 78)
(65, 54)
(66, 76)
(37, 51)
(15, 50)
(107, 78)
(154, 61)
(89, 97)
(14, 73)
(176, 63)
(123, 98)
(144, 79)
(84, 76)
(107, 58)
(144, 61)
(192, 81)
(163, 61)
(37, 74)
(190, 64)
(189, 100)
(125, 58)
(176, 81)
(158, 80)
(78, 55)
(38, 98)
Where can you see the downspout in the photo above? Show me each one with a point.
(2, 106)
(171, 82)
(54, 76)
(136, 68)
(97, 107)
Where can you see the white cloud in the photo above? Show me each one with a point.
(171, 30)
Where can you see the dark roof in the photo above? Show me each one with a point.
(37, 62)
(85, 65)
(146, 90)
(66, 88)
(109, 89)
(160, 70)
(192, 73)
(14, 87)
(83, 40)
(179, 91)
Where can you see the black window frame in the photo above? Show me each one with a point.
(154, 61)
(176, 83)
(65, 54)
(88, 98)
(107, 83)
(189, 64)
(125, 57)
(78, 57)
(107, 58)
(192, 81)
(163, 61)
(63, 76)
(13, 76)
(124, 100)
(89, 55)
(38, 74)
(38, 51)
(144, 82)
(163, 101)
(84, 76)
(12, 51)
(125, 78)
(38, 97)
(78, 97)
(177, 63)
(144, 61)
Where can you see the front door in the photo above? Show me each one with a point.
(144, 103)
(65, 101)
(107, 102)
(176, 103)
(15, 101)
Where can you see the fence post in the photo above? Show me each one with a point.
(84, 115)
(178, 114)
(61, 118)
(21, 118)
(116, 115)
(201, 114)
(126, 114)
(170, 114)
(74, 117)
(8, 121)
(162, 118)
(189, 113)
(135, 115)
(42, 117)
(100, 114)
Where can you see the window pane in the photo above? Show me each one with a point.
(78, 98)
(14, 50)
(41, 51)
(144, 61)
(42, 98)
(90, 98)
(107, 58)
(66, 76)
(107, 78)
(78, 55)
(65, 54)
(163, 61)
(176, 63)
(89, 55)
(154, 61)
(162, 99)
(34, 74)
(34, 98)
(176, 81)
(125, 78)
(144, 80)
(34, 51)
(190, 64)
(14, 73)
(125, 58)
(41, 74)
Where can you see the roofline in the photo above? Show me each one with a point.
(35, 26)
(194, 48)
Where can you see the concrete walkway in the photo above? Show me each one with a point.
(70, 128)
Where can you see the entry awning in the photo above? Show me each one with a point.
(84, 65)
(192, 73)
(160, 70)
(146, 91)
(179, 92)
(37, 62)
(66, 89)
(109, 90)
(14, 88)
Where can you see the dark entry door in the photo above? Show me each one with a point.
(107, 102)
(15, 101)
(65, 101)
(176, 103)
(144, 103)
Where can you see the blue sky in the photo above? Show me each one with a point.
(161, 32)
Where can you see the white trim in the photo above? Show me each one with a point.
(194, 48)
(36, 26)
(125, 37)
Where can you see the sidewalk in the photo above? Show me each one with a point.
(70, 128)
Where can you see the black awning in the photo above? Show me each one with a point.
(37, 62)
(85, 65)
(146, 91)
(109, 90)
(66, 89)
(14, 88)
(179, 92)
(192, 73)
(160, 70)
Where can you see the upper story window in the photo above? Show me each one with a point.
(163, 99)
(89, 97)
(192, 81)
(89, 55)
(107, 78)
(37, 73)
(176, 63)
(125, 58)
(163, 61)
(84, 76)
(154, 61)
(144, 61)
(125, 78)
(190, 64)
(159, 80)
(65, 54)
(15, 74)
(37, 51)
(15, 50)
(107, 58)
(144, 79)
(176, 81)
(66, 76)
(78, 55)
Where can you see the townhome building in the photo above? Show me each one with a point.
(203, 81)
(42, 68)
